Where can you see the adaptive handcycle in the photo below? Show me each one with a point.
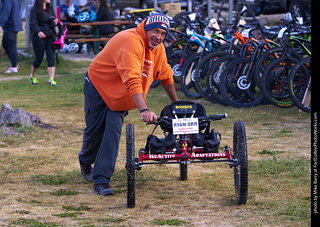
(188, 139)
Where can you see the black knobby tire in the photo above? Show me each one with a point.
(213, 78)
(202, 70)
(300, 83)
(130, 166)
(241, 171)
(240, 95)
(274, 82)
(188, 77)
(183, 171)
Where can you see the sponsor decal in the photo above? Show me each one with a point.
(185, 126)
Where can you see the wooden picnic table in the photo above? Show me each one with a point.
(95, 31)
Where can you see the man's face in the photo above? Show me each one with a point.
(155, 37)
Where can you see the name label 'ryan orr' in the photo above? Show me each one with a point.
(185, 126)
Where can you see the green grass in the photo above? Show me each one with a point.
(268, 152)
(33, 223)
(68, 214)
(64, 192)
(272, 176)
(40, 166)
(175, 222)
(76, 208)
(58, 179)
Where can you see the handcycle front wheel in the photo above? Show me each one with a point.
(130, 166)
(241, 170)
(183, 171)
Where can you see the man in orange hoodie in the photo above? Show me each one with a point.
(118, 80)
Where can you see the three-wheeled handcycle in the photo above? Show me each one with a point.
(188, 139)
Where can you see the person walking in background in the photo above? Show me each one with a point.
(42, 24)
(10, 24)
(104, 13)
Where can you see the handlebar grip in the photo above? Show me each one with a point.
(160, 119)
(218, 116)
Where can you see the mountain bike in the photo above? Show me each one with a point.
(274, 80)
(237, 84)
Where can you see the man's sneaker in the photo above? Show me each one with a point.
(86, 172)
(34, 80)
(52, 83)
(103, 189)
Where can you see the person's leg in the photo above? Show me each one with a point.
(5, 43)
(33, 70)
(12, 44)
(38, 49)
(95, 115)
(107, 154)
(9, 44)
(51, 72)
(50, 51)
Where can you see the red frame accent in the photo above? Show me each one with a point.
(185, 156)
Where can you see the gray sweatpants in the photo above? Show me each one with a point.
(101, 137)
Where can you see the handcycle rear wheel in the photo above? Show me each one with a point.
(241, 170)
(130, 166)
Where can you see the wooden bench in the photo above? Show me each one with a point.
(82, 38)
(78, 36)
(92, 40)
(94, 37)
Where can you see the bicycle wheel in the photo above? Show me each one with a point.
(188, 77)
(174, 55)
(264, 60)
(274, 82)
(300, 84)
(267, 57)
(237, 84)
(241, 170)
(130, 166)
(213, 78)
(202, 71)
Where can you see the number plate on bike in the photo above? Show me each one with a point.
(185, 126)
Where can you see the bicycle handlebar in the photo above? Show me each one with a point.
(214, 117)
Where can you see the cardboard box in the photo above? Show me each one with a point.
(173, 8)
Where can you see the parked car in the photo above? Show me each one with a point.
(298, 8)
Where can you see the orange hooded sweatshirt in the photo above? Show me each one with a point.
(127, 66)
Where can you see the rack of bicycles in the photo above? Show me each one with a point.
(243, 64)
